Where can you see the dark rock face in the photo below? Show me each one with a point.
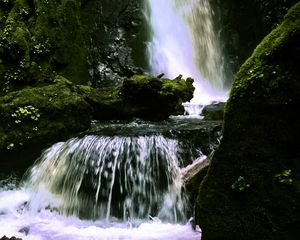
(252, 189)
(242, 25)
(214, 111)
(87, 41)
(117, 42)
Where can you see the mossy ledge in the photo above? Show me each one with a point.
(252, 189)
(51, 113)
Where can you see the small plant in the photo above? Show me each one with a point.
(10, 146)
(240, 184)
(6, 87)
(40, 48)
(27, 112)
(284, 177)
(13, 75)
(24, 11)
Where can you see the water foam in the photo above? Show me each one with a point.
(70, 192)
(184, 42)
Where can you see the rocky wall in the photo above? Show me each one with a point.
(252, 189)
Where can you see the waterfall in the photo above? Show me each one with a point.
(184, 42)
(101, 177)
(101, 187)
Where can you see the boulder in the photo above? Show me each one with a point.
(241, 26)
(214, 111)
(142, 96)
(36, 116)
(31, 118)
(252, 189)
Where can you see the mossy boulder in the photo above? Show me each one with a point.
(157, 98)
(214, 111)
(252, 189)
(39, 38)
(31, 118)
(243, 24)
(142, 96)
(36, 116)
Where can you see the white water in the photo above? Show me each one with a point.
(124, 188)
(184, 42)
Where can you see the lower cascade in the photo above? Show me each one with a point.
(100, 187)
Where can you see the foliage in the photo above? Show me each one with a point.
(27, 112)
(10, 146)
(38, 38)
(284, 177)
(260, 139)
(240, 184)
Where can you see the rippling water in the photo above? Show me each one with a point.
(17, 220)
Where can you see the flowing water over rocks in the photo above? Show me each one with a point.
(119, 180)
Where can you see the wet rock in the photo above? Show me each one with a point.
(117, 42)
(12, 238)
(84, 41)
(240, 32)
(25, 230)
(193, 175)
(214, 111)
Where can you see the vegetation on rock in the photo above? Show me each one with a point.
(42, 38)
(242, 26)
(260, 141)
(56, 111)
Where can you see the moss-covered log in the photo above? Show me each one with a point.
(56, 111)
(252, 189)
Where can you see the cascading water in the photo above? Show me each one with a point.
(184, 42)
(100, 187)
(106, 177)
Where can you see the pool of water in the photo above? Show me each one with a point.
(19, 220)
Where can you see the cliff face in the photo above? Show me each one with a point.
(252, 189)
(117, 43)
(83, 40)
(243, 24)
(88, 42)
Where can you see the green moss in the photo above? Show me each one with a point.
(57, 110)
(158, 98)
(21, 40)
(240, 184)
(41, 38)
(42, 112)
(24, 113)
(256, 71)
(260, 138)
(284, 177)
